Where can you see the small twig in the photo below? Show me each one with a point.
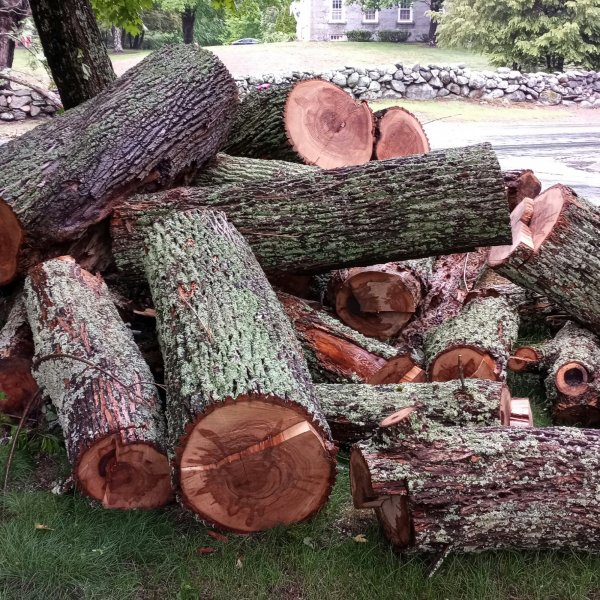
(461, 373)
(465, 272)
(442, 118)
(438, 563)
(15, 438)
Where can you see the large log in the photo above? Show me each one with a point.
(398, 133)
(558, 254)
(453, 489)
(251, 444)
(412, 207)
(311, 121)
(337, 354)
(87, 362)
(476, 343)
(164, 117)
(356, 412)
(379, 300)
(17, 386)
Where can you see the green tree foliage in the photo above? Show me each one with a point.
(267, 20)
(525, 33)
(122, 13)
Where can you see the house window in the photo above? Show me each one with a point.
(337, 11)
(405, 11)
(370, 15)
(337, 37)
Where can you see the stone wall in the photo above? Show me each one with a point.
(418, 82)
(19, 104)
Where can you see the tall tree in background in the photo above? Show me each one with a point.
(74, 49)
(12, 12)
(119, 15)
(525, 33)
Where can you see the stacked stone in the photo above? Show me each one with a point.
(419, 82)
(19, 104)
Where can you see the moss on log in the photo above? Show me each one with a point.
(311, 121)
(164, 117)
(17, 385)
(478, 341)
(251, 444)
(87, 362)
(472, 489)
(356, 412)
(438, 203)
(558, 254)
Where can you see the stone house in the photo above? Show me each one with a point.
(329, 20)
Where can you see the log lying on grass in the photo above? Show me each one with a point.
(17, 385)
(437, 203)
(311, 121)
(558, 254)
(398, 133)
(379, 300)
(251, 443)
(162, 118)
(475, 344)
(88, 363)
(356, 412)
(336, 353)
(465, 490)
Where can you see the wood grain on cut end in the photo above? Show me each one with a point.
(126, 475)
(399, 133)
(546, 212)
(11, 238)
(401, 369)
(254, 463)
(520, 414)
(476, 364)
(523, 359)
(326, 126)
(522, 247)
(572, 379)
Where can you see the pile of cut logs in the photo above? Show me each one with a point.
(212, 327)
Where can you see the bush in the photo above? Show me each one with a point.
(394, 35)
(154, 41)
(359, 35)
(278, 36)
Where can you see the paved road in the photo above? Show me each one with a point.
(558, 153)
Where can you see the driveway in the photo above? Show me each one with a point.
(566, 153)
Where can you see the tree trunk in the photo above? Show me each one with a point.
(311, 121)
(88, 363)
(437, 203)
(224, 169)
(17, 385)
(379, 301)
(73, 48)
(558, 254)
(475, 344)
(521, 184)
(398, 133)
(161, 119)
(337, 354)
(117, 40)
(12, 12)
(467, 490)
(188, 19)
(250, 440)
(357, 412)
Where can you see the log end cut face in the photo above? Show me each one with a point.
(327, 127)
(473, 362)
(17, 385)
(11, 238)
(125, 476)
(401, 369)
(254, 463)
(376, 302)
(523, 358)
(400, 134)
(572, 379)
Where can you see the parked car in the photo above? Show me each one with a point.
(245, 42)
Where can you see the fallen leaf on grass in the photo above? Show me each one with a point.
(44, 527)
(308, 542)
(218, 536)
(238, 563)
(206, 550)
(360, 538)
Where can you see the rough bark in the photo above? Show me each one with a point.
(466, 490)
(225, 169)
(521, 184)
(17, 385)
(12, 12)
(311, 121)
(379, 300)
(188, 19)
(250, 440)
(335, 353)
(117, 39)
(398, 133)
(356, 412)
(558, 254)
(74, 48)
(482, 335)
(438, 203)
(164, 117)
(89, 365)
